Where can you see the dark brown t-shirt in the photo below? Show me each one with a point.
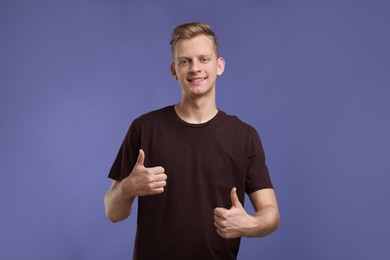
(203, 163)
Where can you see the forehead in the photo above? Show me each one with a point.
(199, 45)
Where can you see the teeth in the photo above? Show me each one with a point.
(196, 80)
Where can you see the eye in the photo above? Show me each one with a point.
(183, 62)
(205, 59)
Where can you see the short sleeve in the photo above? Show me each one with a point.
(257, 175)
(127, 155)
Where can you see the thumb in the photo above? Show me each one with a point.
(233, 196)
(141, 158)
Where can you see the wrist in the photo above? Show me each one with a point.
(252, 226)
(124, 192)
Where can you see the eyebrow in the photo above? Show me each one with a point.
(200, 55)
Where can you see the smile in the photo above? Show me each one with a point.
(196, 80)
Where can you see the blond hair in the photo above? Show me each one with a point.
(191, 30)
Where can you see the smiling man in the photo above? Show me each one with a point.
(190, 166)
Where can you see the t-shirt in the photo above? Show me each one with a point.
(203, 162)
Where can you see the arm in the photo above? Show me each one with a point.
(267, 217)
(118, 205)
(142, 181)
(236, 222)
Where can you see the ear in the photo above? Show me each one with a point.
(173, 71)
(221, 66)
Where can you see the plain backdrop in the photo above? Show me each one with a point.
(313, 77)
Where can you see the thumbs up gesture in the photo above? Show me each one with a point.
(233, 222)
(144, 181)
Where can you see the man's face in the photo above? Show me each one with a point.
(196, 66)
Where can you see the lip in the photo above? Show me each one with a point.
(197, 79)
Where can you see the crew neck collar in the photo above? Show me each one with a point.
(194, 125)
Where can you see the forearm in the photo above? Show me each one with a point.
(118, 206)
(264, 222)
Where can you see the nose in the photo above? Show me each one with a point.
(194, 67)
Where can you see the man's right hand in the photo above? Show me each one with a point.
(143, 181)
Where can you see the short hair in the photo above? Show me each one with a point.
(191, 30)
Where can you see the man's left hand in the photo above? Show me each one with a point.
(233, 222)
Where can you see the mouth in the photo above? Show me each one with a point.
(197, 79)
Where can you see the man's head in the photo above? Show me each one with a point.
(191, 30)
(196, 63)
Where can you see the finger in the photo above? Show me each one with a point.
(234, 198)
(158, 190)
(160, 177)
(156, 170)
(141, 158)
(220, 212)
(218, 225)
(222, 234)
(218, 220)
(152, 192)
(158, 184)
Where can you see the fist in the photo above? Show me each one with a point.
(144, 181)
(231, 223)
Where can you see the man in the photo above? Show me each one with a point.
(190, 166)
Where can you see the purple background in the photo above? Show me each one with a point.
(312, 76)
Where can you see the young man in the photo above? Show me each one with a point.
(190, 165)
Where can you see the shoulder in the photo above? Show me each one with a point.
(234, 122)
(149, 121)
(154, 116)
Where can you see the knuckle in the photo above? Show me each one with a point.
(150, 186)
(149, 178)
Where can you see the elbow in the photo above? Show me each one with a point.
(111, 217)
(116, 209)
(114, 218)
(108, 211)
(274, 224)
(113, 213)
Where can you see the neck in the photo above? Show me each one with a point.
(196, 111)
